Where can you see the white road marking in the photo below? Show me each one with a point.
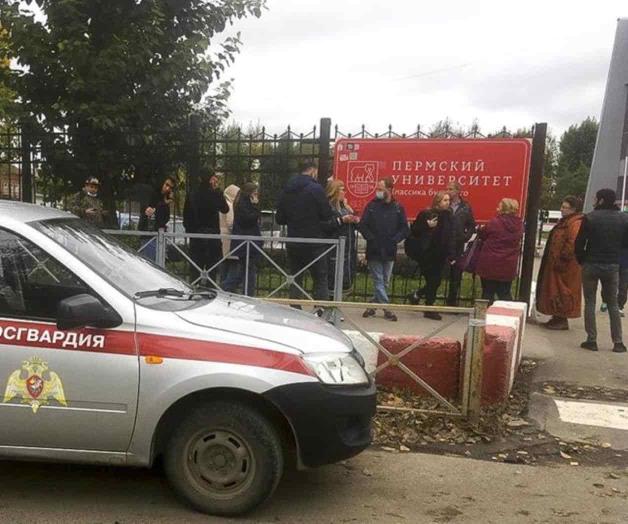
(593, 413)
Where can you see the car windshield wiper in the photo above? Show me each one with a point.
(170, 292)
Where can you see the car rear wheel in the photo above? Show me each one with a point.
(224, 459)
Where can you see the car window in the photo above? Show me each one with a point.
(31, 282)
(119, 265)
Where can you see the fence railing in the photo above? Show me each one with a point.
(468, 403)
(269, 253)
(161, 246)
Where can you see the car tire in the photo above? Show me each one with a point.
(224, 459)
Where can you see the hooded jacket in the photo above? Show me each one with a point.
(501, 246)
(304, 208)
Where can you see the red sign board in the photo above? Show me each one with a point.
(487, 169)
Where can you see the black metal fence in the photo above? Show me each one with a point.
(45, 170)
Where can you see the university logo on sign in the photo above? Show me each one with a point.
(362, 178)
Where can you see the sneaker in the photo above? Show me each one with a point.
(432, 315)
(368, 313)
(389, 315)
(591, 346)
(603, 307)
(619, 348)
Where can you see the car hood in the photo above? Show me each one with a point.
(274, 323)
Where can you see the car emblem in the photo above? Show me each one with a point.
(39, 386)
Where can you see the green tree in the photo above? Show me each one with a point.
(120, 78)
(575, 156)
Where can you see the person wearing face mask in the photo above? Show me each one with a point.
(559, 284)
(383, 225)
(433, 230)
(246, 219)
(86, 204)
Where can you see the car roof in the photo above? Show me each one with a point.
(23, 212)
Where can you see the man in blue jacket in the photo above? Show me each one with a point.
(383, 225)
(304, 208)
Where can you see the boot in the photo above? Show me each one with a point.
(558, 324)
(432, 315)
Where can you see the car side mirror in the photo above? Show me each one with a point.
(85, 310)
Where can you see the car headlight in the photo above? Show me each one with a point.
(337, 369)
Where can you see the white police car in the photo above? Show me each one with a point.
(106, 358)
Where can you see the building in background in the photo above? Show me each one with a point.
(611, 149)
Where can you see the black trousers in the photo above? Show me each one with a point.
(490, 288)
(433, 277)
(300, 256)
(455, 278)
(205, 253)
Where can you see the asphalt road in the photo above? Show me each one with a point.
(374, 487)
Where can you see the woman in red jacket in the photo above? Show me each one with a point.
(499, 256)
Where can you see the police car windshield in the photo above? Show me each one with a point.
(129, 272)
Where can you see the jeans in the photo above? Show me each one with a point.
(622, 294)
(490, 288)
(300, 256)
(608, 275)
(149, 250)
(236, 274)
(380, 271)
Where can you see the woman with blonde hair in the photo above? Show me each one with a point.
(433, 238)
(501, 246)
(343, 214)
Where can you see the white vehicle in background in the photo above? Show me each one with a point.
(552, 219)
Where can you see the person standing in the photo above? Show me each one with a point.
(434, 231)
(304, 208)
(383, 225)
(336, 196)
(86, 204)
(464, 228)
(200, 215)
(230, 264)
(599, 244)
(559, 284)
(246, 219)
(499, 255)
(157, 215)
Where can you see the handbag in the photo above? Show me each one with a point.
(468, 261)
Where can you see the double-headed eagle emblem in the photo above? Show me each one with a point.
(35, 384)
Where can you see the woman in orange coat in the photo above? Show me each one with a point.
(559, 286)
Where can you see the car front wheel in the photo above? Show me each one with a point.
(224, 459)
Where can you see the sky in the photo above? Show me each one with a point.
(412, 62)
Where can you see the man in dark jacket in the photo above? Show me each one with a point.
(464, 227)
(304, 208)
(200, 215)
(157, 215)
(599, 244)
(383, 225)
